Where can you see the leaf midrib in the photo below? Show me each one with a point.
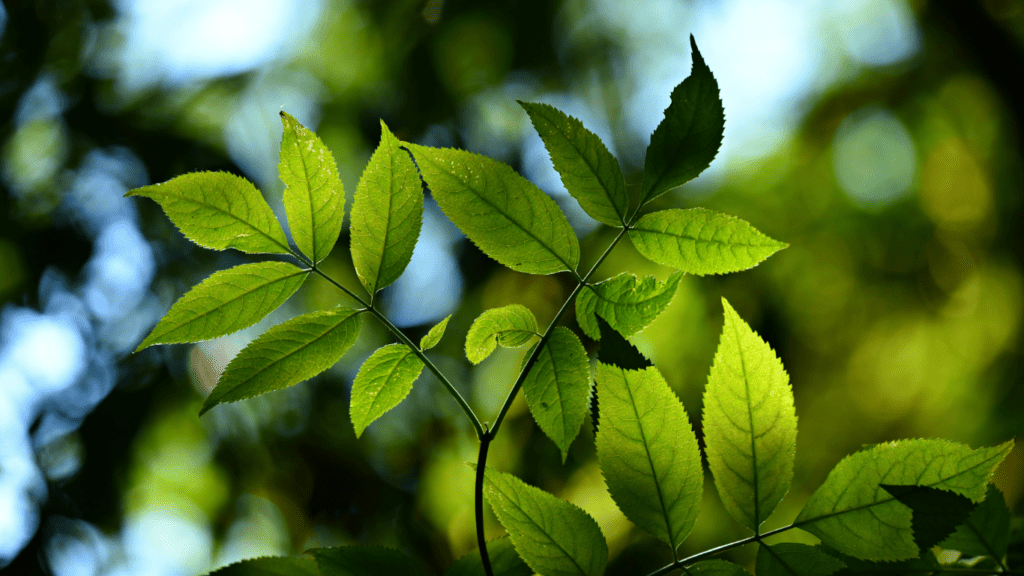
(755, 484)
(541, 529)
(309, 195)
(680, 236)
(263, 233)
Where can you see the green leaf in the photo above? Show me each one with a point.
(617, 351)
(925, 564)
(852, 513)
(934, 513)
(687, 140)
(505, 215)
(314, 197)
(648, 452)
(789, 559)
(270, 566)
(384, 380)
(219, 210)
(386, 215)
(699, 241)
(628, 303)
(287, 354)
(715, 568)
(554, 537)
(558, 387)
(749, 423)
(511, 326)
(986, 532)
(363, 561)
(589, 172)
(226, 302)
(431, 338)
(504, 560)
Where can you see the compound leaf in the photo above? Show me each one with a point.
(934, 513)
(628, 303)
(687, 140)
(227, 301)
(363, 561)
(554, 537)
(715, 568)
(853, 514)
(648, 452)
(558, 387)
(270, 566)
(749, 423)
(387, 214)
(218, 210)
(314, 197)
(588, 170)
(287, 354)
(790, 559)
(505, 215)
(986, 532)
(504, 560)
(699, 241)
(384, 380)
(431, 338)
(510, 326)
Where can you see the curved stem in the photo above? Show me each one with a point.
(485, 442)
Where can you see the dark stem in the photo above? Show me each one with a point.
(485, 442)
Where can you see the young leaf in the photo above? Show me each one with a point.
(789, 559)
(589, 172)
(287, 354)
(270, 566)
(554, 537)
(431, 338)
(511, 326)
(226, 302)
(852, 513)
(934, 513)
(648, 452)
(749, 423)
(699, 241)
(363, 561)
(628, 303)
(384, 380)
(715, 568)
(504, 214)
(504, 561)
(986, 532)
(218, 210)
(558, 386)
(314, 197)
(617, 351)
(386, 215)
(687, 140)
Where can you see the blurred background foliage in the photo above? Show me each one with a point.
(880, 138)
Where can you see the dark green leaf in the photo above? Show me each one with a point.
(935, 513)
(926, 564)
(270, 566)
(384, 380)
(986, 532)
(628, 303)
(617, 351)
(789, 559)
(431, 338)
(715, 568)
(558, 386)
(363, 561)
(504, 560)
(511, 326)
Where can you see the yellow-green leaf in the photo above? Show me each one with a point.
(629, 304)
(431, 338)
(384, 380)
(511, 326)
(558, 387)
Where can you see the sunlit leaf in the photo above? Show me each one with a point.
(384, 380)
(504, 561)
(510, 326)
(934, 513)
(687, 140)
(387, 214)
(287, 354)
(699, 241)
(558, 387)
(715, 568)
(790, 559)
(431, 338)
(219, 210)
(505, 215)
(363, 561)
(648, 452)
(589, 172)
(628, 303)
(226, 302)
(554, 537)
(986, 532)
(749, 423)
(270, 566)
(853, 514)
(314, 197)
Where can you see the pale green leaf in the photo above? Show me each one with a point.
(986, 531)
(270, 566)
(386, 215)
(790, 559)
(431, 338)
(699, 241)
(749, 423)
(852, 513)
(504, 560)
(314, 197)
(226, 302)
(648, 452)
(589, 172)
(363, 561)
(219, 210)
(629, 304)
(505, 215)
(384, 380)
(715, 568)
(511, 326)
(554, 537)
(287, 354)
(557, 389)
(687, 140)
